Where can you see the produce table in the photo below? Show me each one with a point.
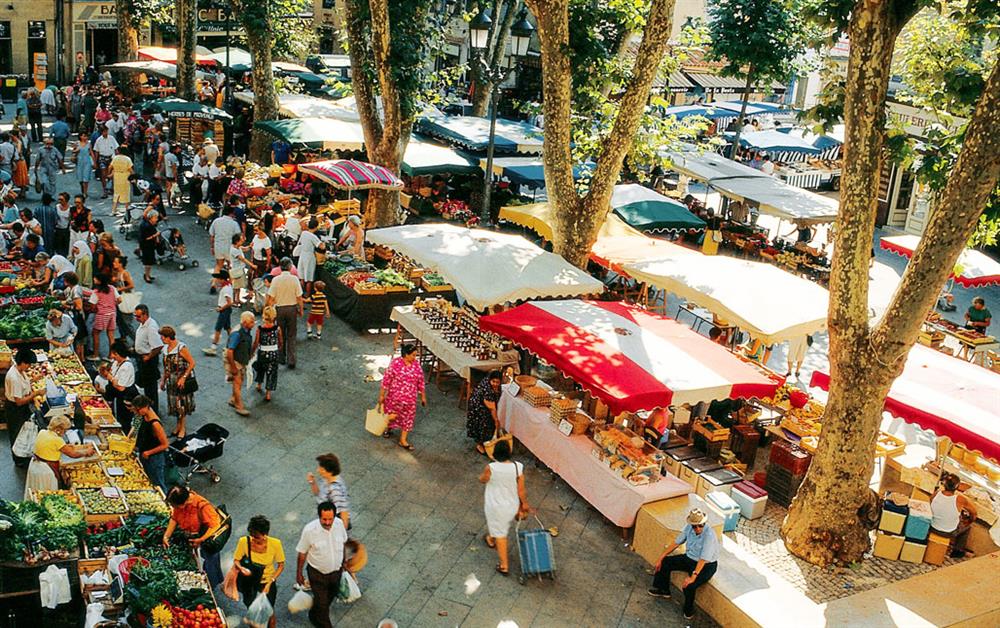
(367, 311)
(570, 457)
(456, 359)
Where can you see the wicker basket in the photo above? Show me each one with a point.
(525, 381)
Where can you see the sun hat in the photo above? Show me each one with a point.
(697, 517)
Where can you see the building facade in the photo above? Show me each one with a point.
(31, 33)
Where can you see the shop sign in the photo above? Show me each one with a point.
(4, 30)
(96, 15)
(193, 115)
(36, 30)
(915, 121)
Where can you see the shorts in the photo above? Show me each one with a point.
(103, 162)
(239, 282)
(315, 319)
(241, 369)
(224, 321)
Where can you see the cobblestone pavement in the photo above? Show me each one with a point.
(419, 513)
(761, 537)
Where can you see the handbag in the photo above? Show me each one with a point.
(249, 583)
(128, 302)
(376, 421)
(499, 435)
(214, 543)
(190, 385)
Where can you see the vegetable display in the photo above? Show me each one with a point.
(434, 279)
(39, 532)
(16, 323)
(145, 501)
(95, 502)
(390, 277)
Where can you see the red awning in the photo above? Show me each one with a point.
(629, 357)
(169, 55)
(977, 268)
(949, 396)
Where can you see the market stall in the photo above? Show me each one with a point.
(348, 174)
(473, 133)
(326, 134)
(298, 105)
(156, 68)
(780, 147)
(169, 55)
(651, 212)
(23, 310)
(424, 157)
(627, 360)
(192, 122)
(772, 305)
(947, 396)
(974, 269)
(485, 267)
(528, 171)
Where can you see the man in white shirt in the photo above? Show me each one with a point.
(147, 346)
(104, 149)
(210, 150)
(321, 551)
(285, 294)
(221, 238)
(767, 166)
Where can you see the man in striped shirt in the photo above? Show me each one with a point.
(327, 486)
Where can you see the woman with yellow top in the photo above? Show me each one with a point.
(43, 471)
(259, 559)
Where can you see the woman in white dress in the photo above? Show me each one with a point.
(505, 499)
(50, 445)
(308, 242)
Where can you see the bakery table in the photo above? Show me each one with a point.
(367, 311)
(455, 358)
(570, 457)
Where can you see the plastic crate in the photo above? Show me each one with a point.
(789, 456)
(745, 440)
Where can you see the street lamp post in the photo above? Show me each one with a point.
(479, 37)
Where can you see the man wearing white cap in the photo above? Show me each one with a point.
(699, 560)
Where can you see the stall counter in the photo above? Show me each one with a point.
(366, 311)
(570, 457)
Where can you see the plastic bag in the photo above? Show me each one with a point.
(24, 445)
(302, 600)
(53, 585)
(349, 589)
(95, 615)
(259, 613)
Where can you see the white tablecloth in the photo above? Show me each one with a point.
(570, 458)
(456, 359)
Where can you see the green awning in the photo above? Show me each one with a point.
(180, 108)
(318, 133)
(426, 158)
(646, 210)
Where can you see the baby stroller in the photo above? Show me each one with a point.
(198, 448)
(130, 223)
(170, 248)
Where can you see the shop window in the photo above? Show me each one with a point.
(36, 40)
(6, 57)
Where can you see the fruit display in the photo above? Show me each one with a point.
(94, 405)
(89, 475)
(37, 496)
(97, 501)
(202, 616)
(145, 502)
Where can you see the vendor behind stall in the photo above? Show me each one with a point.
(19, 395)
(50, 445)
(952, 514)
(977, 317)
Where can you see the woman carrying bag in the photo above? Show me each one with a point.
(482, 424)
(257, 562)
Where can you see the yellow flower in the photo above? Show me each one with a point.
(162, 617)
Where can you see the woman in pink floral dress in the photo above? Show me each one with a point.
(403, 380)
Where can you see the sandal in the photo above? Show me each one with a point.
(407, 446)
(503, 572)
(486, 539)
(387, 434)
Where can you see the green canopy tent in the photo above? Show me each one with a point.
(180, 108)
(646, 210)
(316, 133)
(192, 122)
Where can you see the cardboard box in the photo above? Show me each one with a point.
(892, 522)
(888, 545)
(913, 552)
(937, 549)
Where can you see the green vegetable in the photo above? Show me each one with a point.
(390, 277)
(149, 585)
(16, 323)
(191, 598)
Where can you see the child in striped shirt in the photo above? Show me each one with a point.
(319, 309)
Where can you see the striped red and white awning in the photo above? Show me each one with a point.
(629, 357)
(347, 174)
(977, 270)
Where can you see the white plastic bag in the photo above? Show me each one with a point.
(301, 601)
(95, 615)
(24, 444)
(259, 613)
(349, 589)
(53, 587)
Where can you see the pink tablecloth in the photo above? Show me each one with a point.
(571, 459)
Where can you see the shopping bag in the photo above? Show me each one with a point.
(229, 587)
(302, 600)
(24, 445)
(376, 421)
(129, 301)
(499, 435)
(259, 613)
(349, 589)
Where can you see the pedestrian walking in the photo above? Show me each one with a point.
(260, 559)
(147, 346)
(319, 309)
(505, 499)
(59, 131)
(306, 249)
(35, 115)
(238, 268)
(178, 379)
(83, 164)
(223, 308)
(321, 557)
(48, 164)
(150, 441)
(106, 299)
(266, 346)
(121, 168)
(103, 151)
(238, 352)
(22, 154)
(327, 486)
(402, 382)
(699, 560)
(221, 234)
(285, 294)
(63, 213)
(149, 238)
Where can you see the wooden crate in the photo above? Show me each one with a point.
(432, 288)
(389, 289)
(889, 445)
(100, 517)
(365, 287)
